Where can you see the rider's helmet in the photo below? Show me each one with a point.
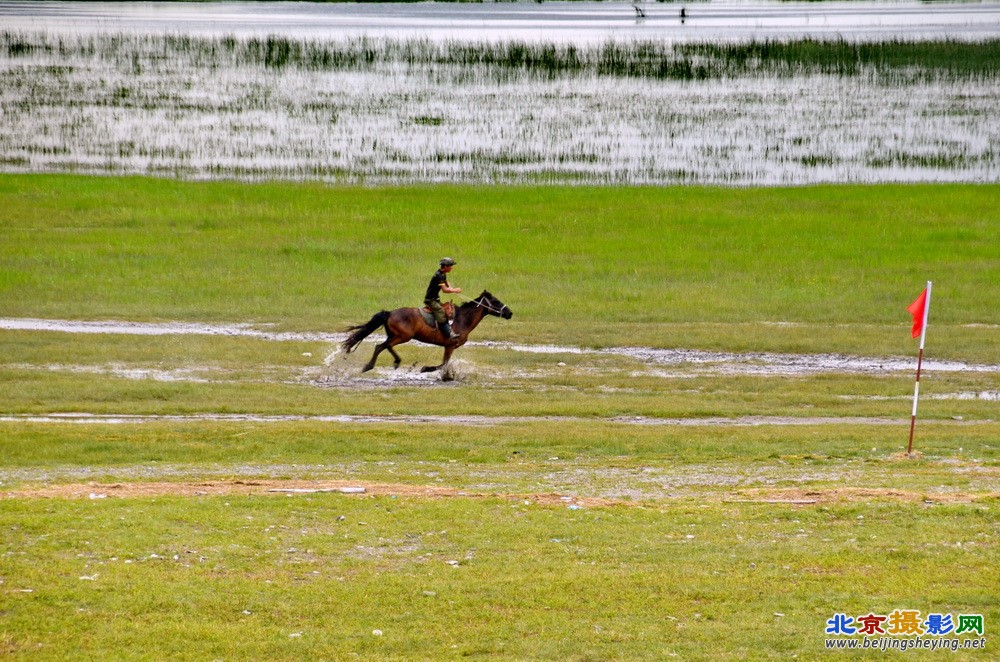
(448, 262)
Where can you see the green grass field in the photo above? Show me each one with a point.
(571, 262)
(570, 505)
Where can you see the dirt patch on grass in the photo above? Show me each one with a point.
(806, 496)
(282, 488)
(355, 489)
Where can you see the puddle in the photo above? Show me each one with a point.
(754, 363)
(196, 375)
(162, 329)
(985, 396)
(688, 362)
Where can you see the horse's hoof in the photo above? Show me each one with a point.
(367, 368)
(428, 368)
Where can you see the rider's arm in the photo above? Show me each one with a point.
(448, 289)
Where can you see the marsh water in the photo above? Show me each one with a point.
(248, 91)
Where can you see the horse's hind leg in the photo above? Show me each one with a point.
(447, 357)
(371, 364)
(387, 345)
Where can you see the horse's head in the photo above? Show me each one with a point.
(493, 305)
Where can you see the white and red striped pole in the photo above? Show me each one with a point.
(920, 360)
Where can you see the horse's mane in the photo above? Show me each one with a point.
(473, 304)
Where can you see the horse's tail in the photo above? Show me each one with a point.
(362, 331)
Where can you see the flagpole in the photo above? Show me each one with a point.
(920, 360)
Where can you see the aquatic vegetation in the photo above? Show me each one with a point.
(893, 58)
(644, 59)
(378, 110)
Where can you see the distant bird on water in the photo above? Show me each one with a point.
(639, 11)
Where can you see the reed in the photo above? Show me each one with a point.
(947, 57)
(641, 59)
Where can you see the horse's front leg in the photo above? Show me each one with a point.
(395, 357)
(447, 357)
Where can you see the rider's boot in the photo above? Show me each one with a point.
(448, 332)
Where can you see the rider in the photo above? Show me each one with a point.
(439, 283)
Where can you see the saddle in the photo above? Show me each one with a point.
(449, 310)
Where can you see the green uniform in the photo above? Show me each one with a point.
(433, 297)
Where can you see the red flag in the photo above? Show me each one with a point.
(917, 310)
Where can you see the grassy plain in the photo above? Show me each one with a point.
(712, 268)
(707, 541)
(719, 543)
(333, 577)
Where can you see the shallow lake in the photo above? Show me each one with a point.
(199, 91)
(550, 21)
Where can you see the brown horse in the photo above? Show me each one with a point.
(406, 324)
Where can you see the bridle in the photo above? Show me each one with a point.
(479, 302)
